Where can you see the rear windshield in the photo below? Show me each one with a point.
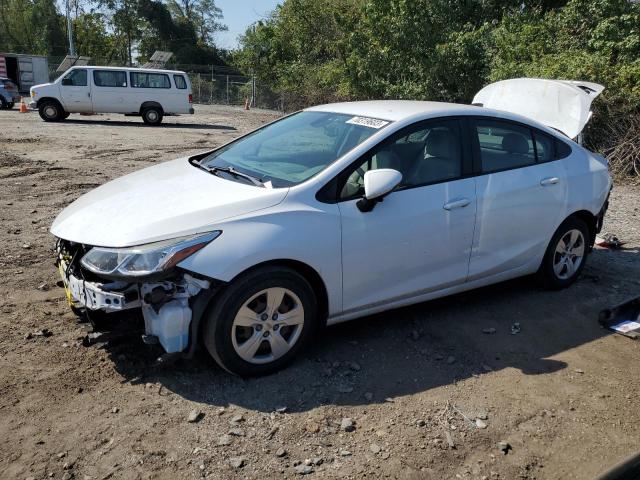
(297, 147)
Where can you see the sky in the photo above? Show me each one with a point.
(238, 15)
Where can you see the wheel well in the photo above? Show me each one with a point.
(150, 104)
(50, 99)
(591, 221)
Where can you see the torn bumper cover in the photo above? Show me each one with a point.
(171, 304)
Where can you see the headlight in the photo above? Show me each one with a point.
(145, 259)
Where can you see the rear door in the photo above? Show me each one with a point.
(75, 91)
(418, 239)
(522, 196)
(111, 92)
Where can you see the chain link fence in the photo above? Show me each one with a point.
(211, 85)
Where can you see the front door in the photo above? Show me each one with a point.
(418, 239)
(75, 92)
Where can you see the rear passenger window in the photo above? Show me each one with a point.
(544, 147)
(75, 78)
(181, 83)
(109, 78)
(504, 145)
(149, 80)
(562, 149)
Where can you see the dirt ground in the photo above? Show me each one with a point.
(563, 392)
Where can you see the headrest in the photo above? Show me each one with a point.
(440, 143)
(515, 143)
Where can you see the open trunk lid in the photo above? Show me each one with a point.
(561, 104)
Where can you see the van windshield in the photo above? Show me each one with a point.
(295, 148)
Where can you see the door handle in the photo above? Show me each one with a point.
(545, 182)
(459, 203)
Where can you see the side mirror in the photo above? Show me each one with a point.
(67, 81)
(378, 184)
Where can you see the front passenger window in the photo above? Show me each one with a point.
(427, 153)
(75, 78)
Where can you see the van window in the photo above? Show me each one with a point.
(181, 83)
(75, 78)
(504, 145)
(149, 80)
(109, 78)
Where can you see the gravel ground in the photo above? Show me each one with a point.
(420, 392)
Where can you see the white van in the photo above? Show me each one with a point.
(148, 93)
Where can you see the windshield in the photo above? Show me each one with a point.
(295, 148)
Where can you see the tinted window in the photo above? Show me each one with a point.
(504, 145)
(109, 78)
(78, 78)
(424, 154)
(181, 83)
(149, 80)
(544, 147)
(562, 149)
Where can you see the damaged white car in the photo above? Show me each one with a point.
(337, 212)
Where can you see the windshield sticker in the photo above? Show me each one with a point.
(368, 122)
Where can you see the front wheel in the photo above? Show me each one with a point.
(566, 255)
(50, 111)
(261, 321)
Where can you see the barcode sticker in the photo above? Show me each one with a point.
(368, 122)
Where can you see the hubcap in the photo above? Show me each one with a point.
(267, 325)
(152, 116)
(569, 254)
(50, 111)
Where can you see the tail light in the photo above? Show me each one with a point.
(191, 98)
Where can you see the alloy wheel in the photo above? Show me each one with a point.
(569, 254)
(267, 325)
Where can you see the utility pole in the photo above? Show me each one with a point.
(72, 48)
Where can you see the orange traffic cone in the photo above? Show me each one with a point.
(23, 106)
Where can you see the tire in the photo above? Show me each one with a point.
(50, 111)
(229, 343)
(3, 103)
(561, 267)
(10, 105)
(65, 115)
(152, 116)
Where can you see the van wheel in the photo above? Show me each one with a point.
(152, 116)
(10, 105)
(50, 111)
(3, 103)
(260, 321)
(65, 115)
(566, 255)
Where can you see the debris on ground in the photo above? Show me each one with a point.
(515, 328)
(504, 447)
(610, 241)
(194, 416)
(348, 425)
(624, 318)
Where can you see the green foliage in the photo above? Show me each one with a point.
(31, 26)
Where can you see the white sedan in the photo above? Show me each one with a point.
(337, 212)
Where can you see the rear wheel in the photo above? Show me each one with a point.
(3, 103)
(152, 116)
(65, 115)
(50, 111)
(261, 321)
(10, 105)
(566, 255)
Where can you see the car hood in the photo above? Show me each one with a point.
(561, 104)
(165, 201)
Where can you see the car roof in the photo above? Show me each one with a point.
(133, 69)
(395, 110)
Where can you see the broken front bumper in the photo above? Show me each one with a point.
(166, 306)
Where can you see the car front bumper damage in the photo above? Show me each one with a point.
(171, 306)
